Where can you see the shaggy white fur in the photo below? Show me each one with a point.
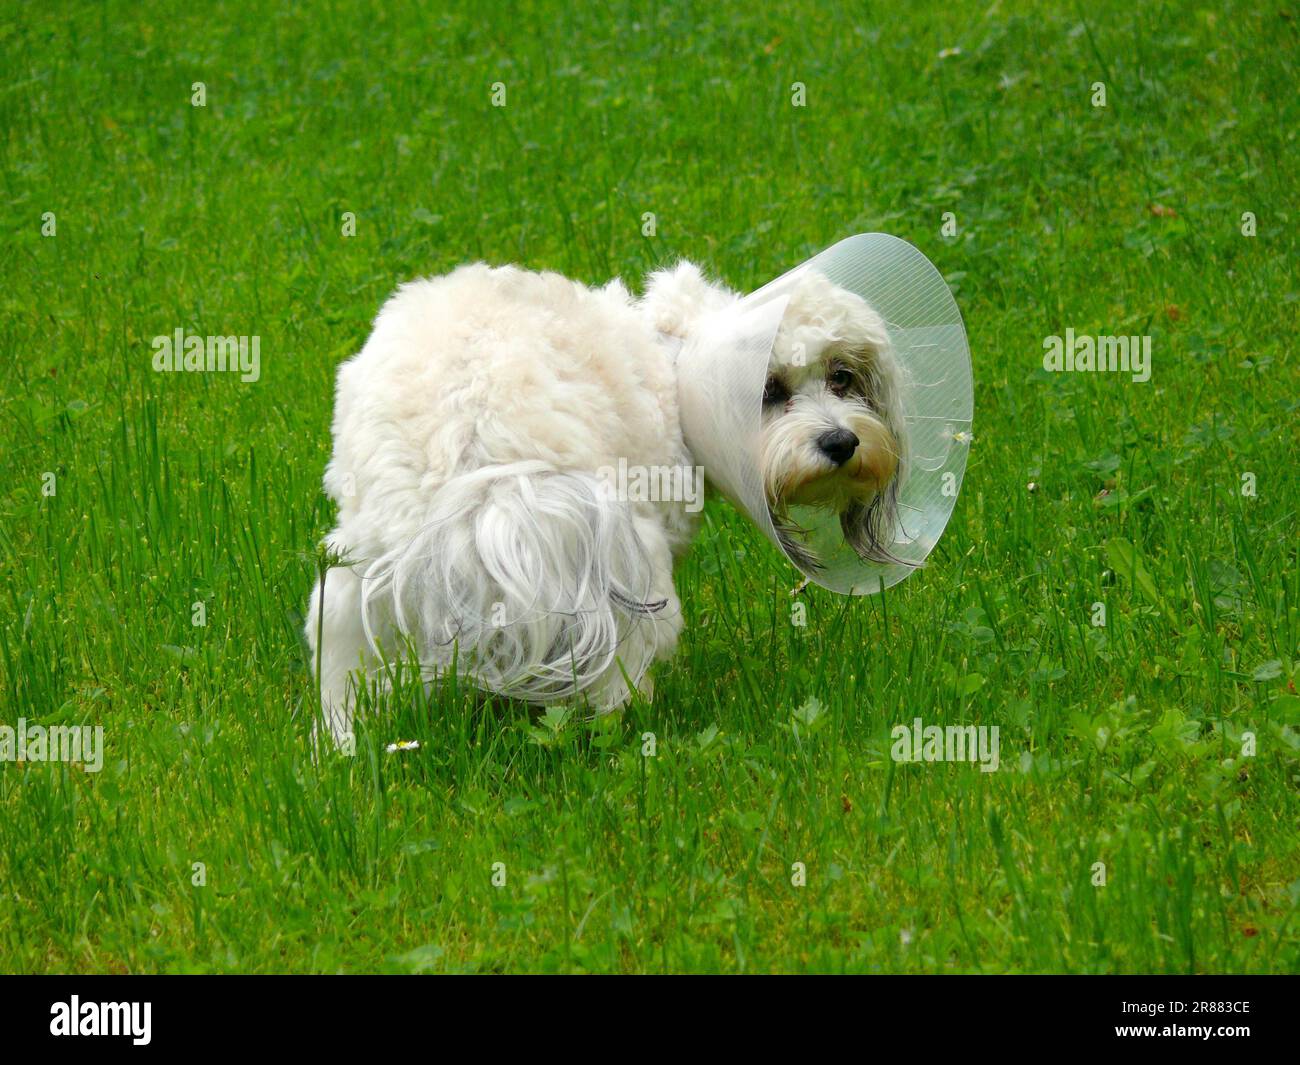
(477, 532)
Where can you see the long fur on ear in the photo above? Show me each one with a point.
(787, 532)
(869, 528)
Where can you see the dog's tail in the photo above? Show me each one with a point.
(536, 583)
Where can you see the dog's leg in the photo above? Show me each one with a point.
(334, 619)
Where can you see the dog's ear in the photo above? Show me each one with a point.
(869, 527)
(786, 533)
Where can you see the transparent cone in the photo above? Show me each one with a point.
(723, 368)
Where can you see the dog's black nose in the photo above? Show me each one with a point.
(838, 445)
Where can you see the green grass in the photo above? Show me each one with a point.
(1120, 744)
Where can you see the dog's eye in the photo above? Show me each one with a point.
(775, 391)
(840, 381)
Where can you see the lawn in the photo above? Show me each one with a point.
(159, 531)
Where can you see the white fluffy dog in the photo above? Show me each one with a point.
(476, 531)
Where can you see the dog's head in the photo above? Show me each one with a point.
(832, 433)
